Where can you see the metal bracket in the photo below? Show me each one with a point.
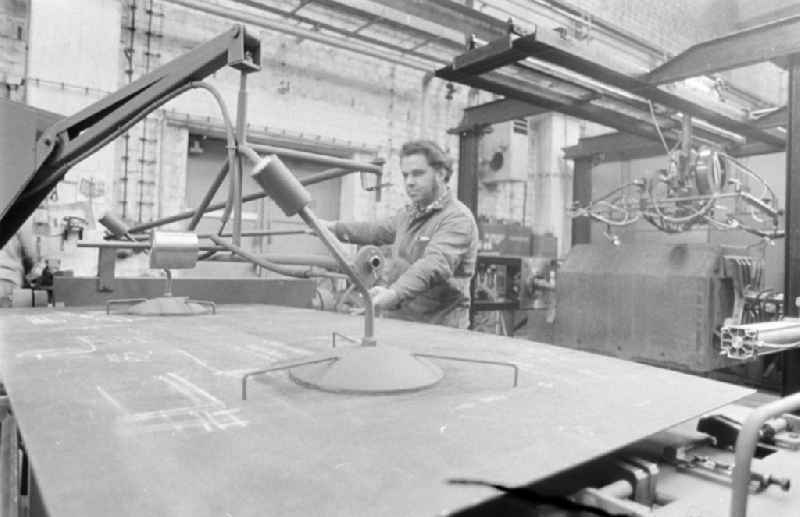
(477, 361)
(106, 261)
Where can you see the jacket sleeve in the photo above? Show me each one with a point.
(448, 247)
(27, 241)
(378, 233)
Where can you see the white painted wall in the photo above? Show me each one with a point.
(73, 61)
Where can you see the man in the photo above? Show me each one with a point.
(16, 257)
(435, 244)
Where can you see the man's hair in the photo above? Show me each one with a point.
(436, 157)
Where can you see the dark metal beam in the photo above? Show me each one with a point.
(777, 118)
(497, 53)
(495, 112)
(451, 14)
(614, 147)
(468, 168)
(406, 28)
(76, 137)
(791, 360)
(551, 48)
(547, 47)
(620, 147)
(364, 15)
(517, 89)
(772, 40)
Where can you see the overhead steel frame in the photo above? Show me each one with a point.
(73, 138)
(778, 41)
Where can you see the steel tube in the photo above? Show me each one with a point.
(780, 336)
(212, 191)
(746, 446)
(332, 243)
(308, 180)
(262, 233)
(131, 245)
(323, 261)
(249, 153)
(266, 264)
(333, 161)
(241, 138)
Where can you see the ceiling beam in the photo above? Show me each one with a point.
(348, 33)
(495, 112)
(280, 26)
(553, 49)
(447, 13)
(392, 23)
(765, 42)
(620, 147)
(543, 92)
(614, 147)
(778, 118)
(521, 90)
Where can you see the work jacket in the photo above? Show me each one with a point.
(19, 248)
(433, 259)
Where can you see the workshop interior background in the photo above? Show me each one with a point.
(354, 80)
(334, 99)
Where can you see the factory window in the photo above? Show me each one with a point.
(205, 156)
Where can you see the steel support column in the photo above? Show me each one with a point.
(791, 360)
(467, 191)
(495, 112)
(582, 194)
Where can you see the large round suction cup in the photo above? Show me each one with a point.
(376, 370)
(171, 306)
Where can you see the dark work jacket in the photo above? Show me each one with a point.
(438, 248)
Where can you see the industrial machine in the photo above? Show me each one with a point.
(725, 313)
(699, 187)
(116, 414)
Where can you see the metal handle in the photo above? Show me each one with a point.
(746, 446)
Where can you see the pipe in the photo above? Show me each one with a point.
(332, 243)
(131, 245)
(212, 191)
(746, 447)
(263, 233)
(308, 180)
(333, 161)
(323, 261)
(297, 272)
(238, 170)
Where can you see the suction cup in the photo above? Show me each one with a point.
(166, 306)
(373, 370)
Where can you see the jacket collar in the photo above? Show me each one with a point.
(437, 204)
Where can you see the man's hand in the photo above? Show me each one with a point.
(384, 297)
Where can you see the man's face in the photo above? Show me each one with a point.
(423, 182)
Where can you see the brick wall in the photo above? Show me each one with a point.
(71, 65)
(318, 92)
(672, 25)
(13, 38)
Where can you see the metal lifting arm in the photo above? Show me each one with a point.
(76, 137)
